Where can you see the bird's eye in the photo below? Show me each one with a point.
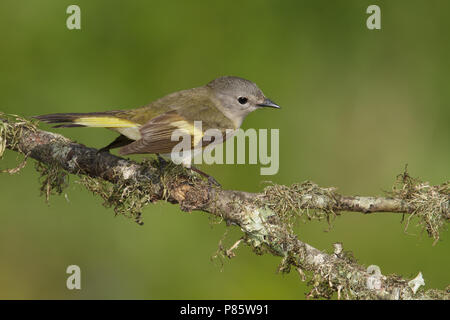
(242, 100)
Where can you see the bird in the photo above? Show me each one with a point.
(221, 104)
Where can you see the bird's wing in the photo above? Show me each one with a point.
(186, 110)
(156, 135)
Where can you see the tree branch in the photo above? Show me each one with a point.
(265, 218)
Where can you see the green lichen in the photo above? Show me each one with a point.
(53, 179)
(171, 174)
(126, 198)
(430, 204)
(438, 294)
(129, 197)
(306, 200)
(11, 129)
(3, 136)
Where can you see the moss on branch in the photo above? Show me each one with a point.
(266, 218)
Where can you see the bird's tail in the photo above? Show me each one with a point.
(108, 119)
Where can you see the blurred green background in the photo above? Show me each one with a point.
(357, 106)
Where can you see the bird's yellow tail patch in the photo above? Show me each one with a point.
(105, 122)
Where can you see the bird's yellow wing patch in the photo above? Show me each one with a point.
(157, 134)
(105, 122)
(189, 128)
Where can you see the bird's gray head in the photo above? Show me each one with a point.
(238, 97)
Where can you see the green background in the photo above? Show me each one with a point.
(357, 105)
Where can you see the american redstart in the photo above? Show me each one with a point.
(222, 104)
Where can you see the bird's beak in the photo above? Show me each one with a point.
(268, 103)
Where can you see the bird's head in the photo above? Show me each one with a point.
(238, 97)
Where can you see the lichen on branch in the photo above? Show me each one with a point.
(430, 204)
(264, 218)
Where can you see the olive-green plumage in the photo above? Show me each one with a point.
(221, 104)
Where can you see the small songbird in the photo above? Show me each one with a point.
(221, 104)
